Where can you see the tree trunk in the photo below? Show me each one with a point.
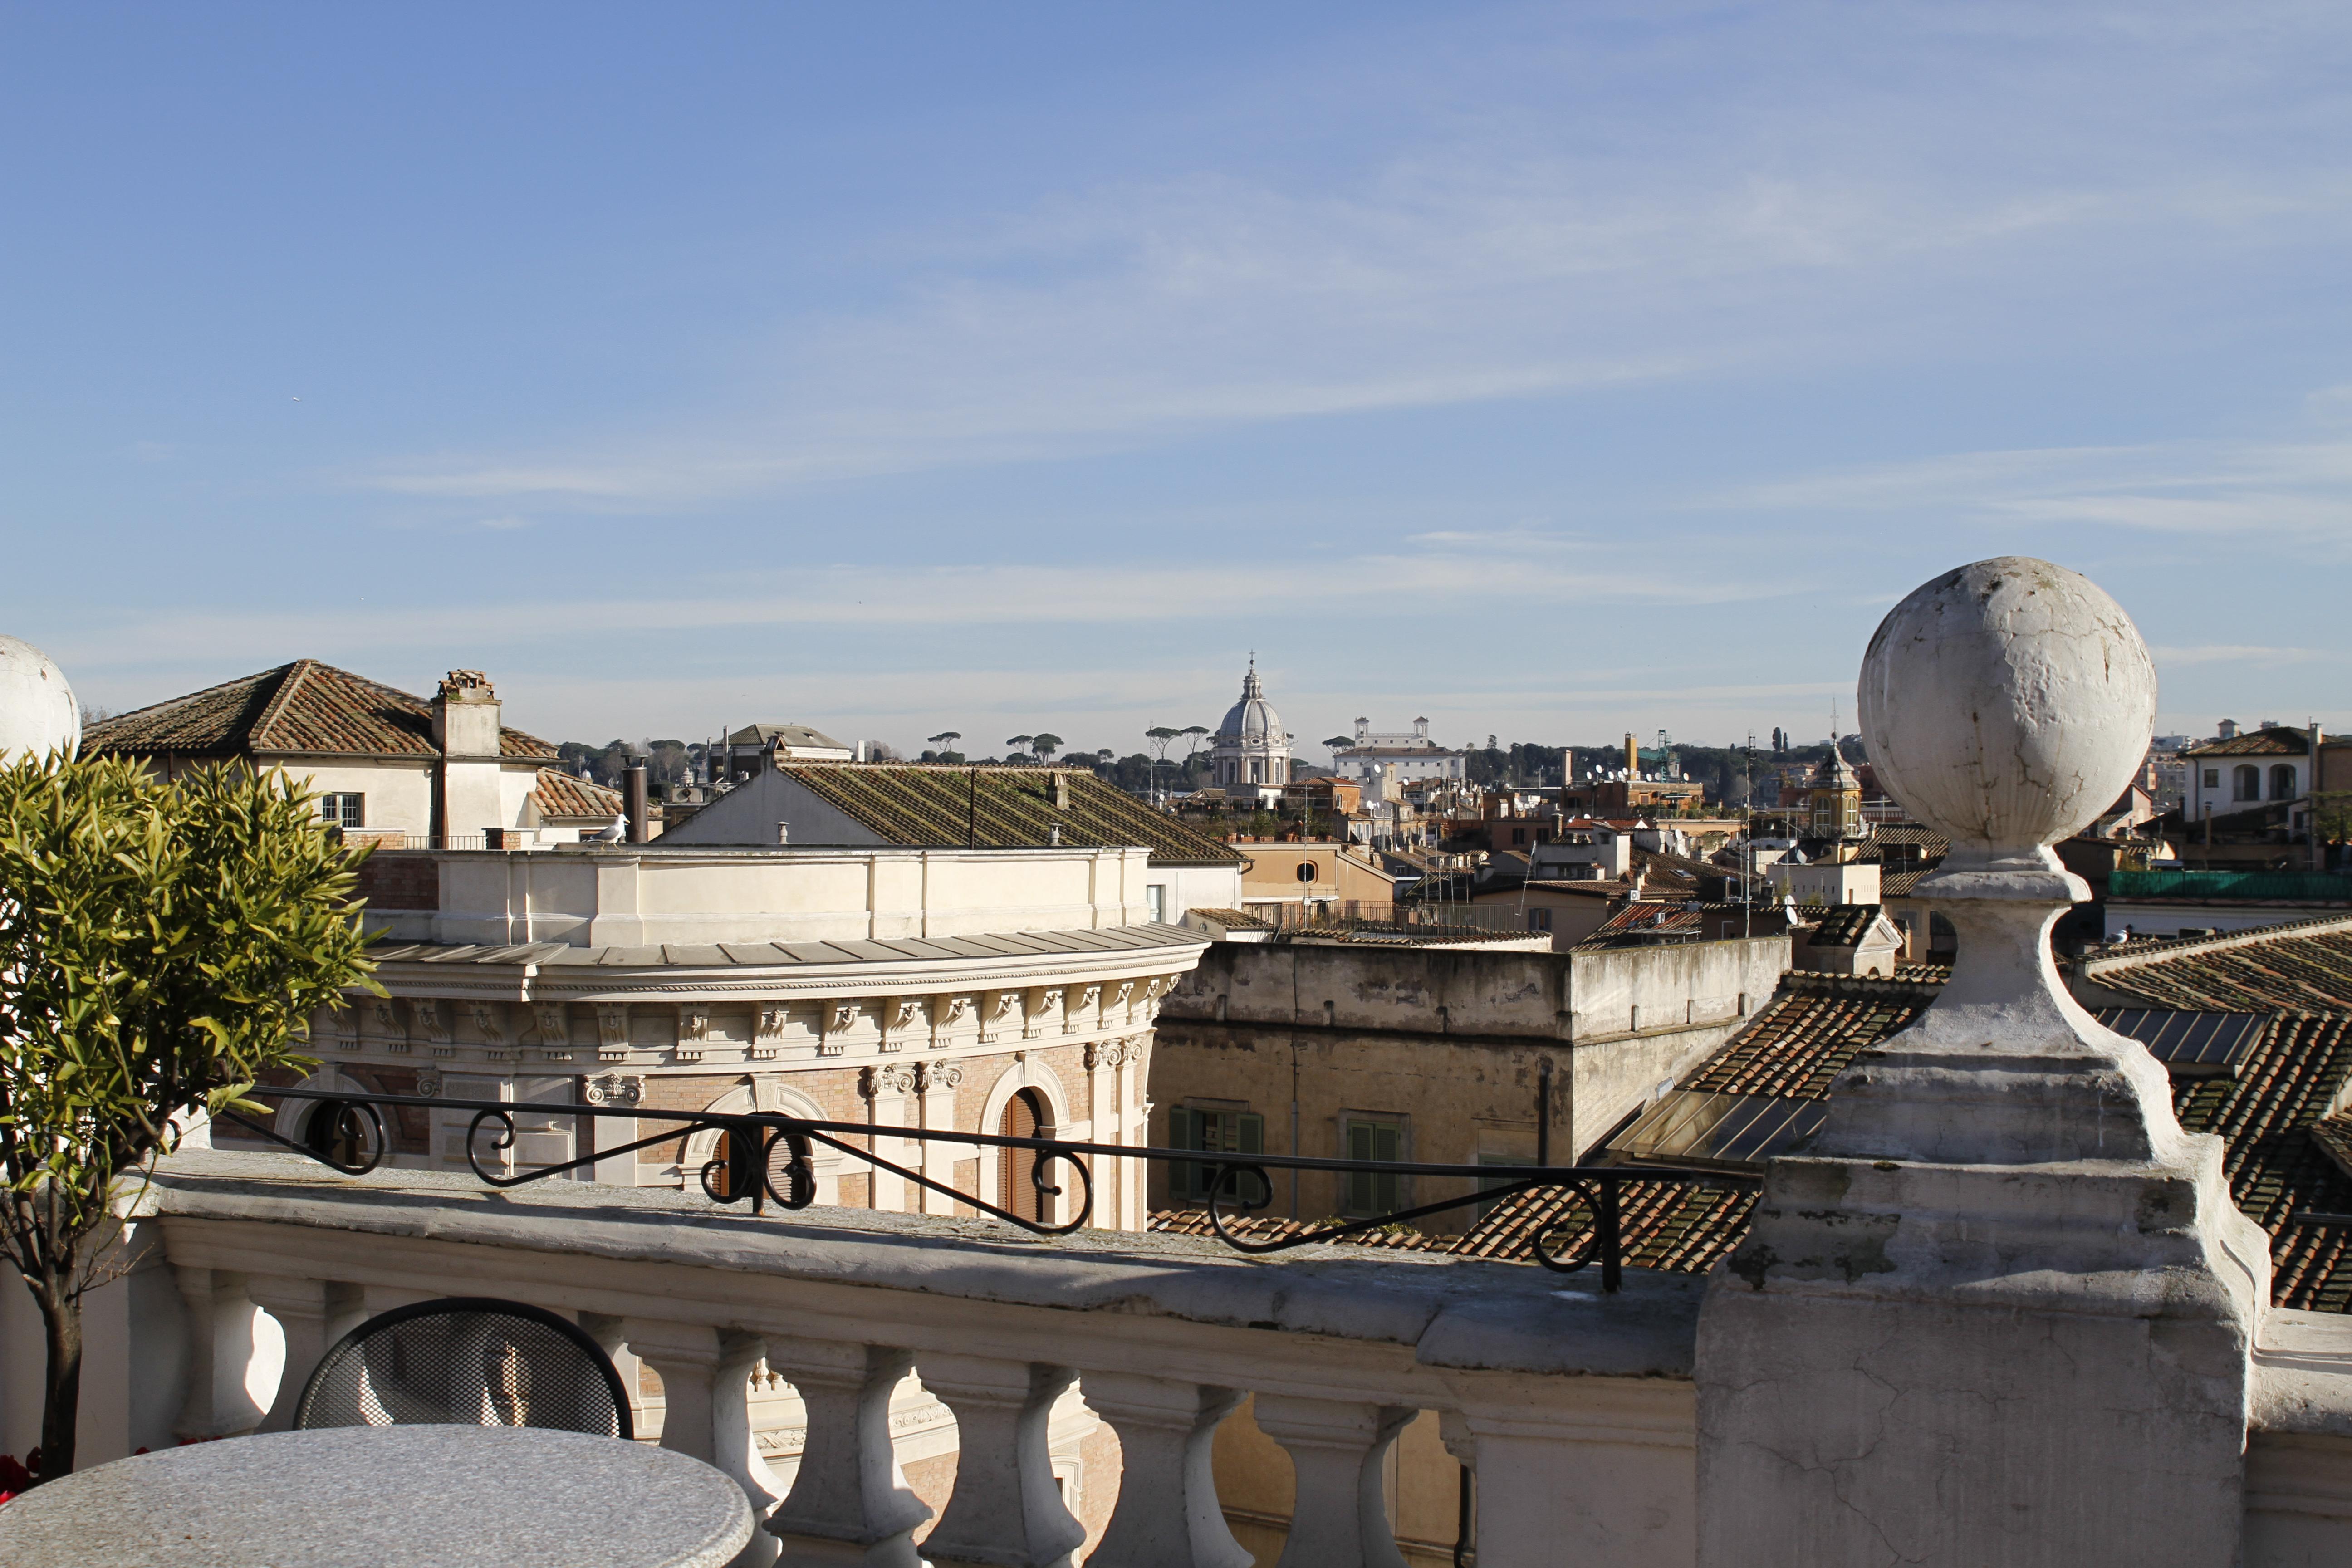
(61, 1405)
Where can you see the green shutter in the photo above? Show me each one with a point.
(1183, 1132)
(1253, 1131)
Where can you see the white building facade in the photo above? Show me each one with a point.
(1411, 754)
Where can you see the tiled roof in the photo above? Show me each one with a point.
(915, 805)
(2256, 743)
(302, 708)
(563, 796)
(2277, 1167)
(1231, 920)
(2305, 967)
(1642, 922)
(1845, 925)
(1902, 884)
(1807, 1033)
(1927, 840)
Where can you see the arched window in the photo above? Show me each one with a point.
(2247, 780)
(2283, 781)
(1025, 1116)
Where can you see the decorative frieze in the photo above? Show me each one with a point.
(693, 1022)
(840, 1018)
(1049, 1000)
(488, 1019)
(428, 1083)
(612, 1031)
(940, 1076)
(1000, 1009)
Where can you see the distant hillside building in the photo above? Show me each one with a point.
(1412, 753)
(758, 746)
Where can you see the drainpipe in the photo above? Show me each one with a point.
(1293, 1127)
(1543, 1111)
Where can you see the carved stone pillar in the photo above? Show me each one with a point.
(220, 1351)
(304, 1310)
(2000, 1310)
(1336, 1448)
(937, 1083)
(1167, 1515)
(848, 1502)
(1006, 1511)
(889, 1091)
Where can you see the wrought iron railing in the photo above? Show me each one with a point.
(767, 1157)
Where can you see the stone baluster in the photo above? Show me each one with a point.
(1340, 1517)
(305, 1310)
(220, 1351)
(1007, 1510)
(612, 1337)
(1593, 1471)
(848, 1501)
(685, 1357)
(1167, 1515)
(735, 1446)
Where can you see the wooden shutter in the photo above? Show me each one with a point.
(1018, 1188)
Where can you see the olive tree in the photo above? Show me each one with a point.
(161, 948)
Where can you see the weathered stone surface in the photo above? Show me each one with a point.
(452, 1497)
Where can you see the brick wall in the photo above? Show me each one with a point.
(401, 879)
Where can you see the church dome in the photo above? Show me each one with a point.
(1252, 718)
(37, 711)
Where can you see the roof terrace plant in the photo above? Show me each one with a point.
(161, 949)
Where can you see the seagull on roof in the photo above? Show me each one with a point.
(613, 834)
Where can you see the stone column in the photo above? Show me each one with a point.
(220, 1351)
(1007, 1510)
(2000, 1314)
(848, 1501)
(1167, 1515)
(937, 1082)
(889, 1091)
(1582, 1470)
(1339, 1515)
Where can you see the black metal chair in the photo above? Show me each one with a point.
(468, 1362)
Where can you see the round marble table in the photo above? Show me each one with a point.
(501, 1497)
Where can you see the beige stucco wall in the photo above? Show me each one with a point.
(1452, 1045)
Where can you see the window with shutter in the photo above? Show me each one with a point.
(1373, 1191)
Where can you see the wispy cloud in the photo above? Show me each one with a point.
(1471, 259)
(2232, 653)
(2208, 488)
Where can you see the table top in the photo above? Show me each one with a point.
(501, 1497)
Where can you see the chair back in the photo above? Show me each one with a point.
(469, 1362)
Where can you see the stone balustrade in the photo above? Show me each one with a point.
(1575, 1409)
(1073, 1389)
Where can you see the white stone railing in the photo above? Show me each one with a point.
(1574, 1409)
(818, 1356)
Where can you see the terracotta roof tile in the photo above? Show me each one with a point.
(302, 708)
(563, 796)
(2291, 970)
(2256, 743)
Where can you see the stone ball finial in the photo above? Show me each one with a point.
(2007, 704)
(38, 713)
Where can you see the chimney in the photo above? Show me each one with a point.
(634, 803)
(466, 728)
(1632, 757)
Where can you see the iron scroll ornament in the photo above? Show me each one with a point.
(767, 1156)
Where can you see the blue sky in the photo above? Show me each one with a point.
(1550, 371)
